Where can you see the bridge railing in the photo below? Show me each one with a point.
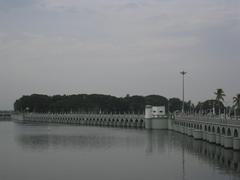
(212, 119)
(133, 116)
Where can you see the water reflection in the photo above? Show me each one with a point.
(37, 138)
(157, 141)
(89, 138)
(225, 160)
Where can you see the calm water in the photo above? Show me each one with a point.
(60, 152)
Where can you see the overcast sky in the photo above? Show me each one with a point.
(119, 47)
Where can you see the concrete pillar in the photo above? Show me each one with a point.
(182, 129)
(211, 137)
(185, 129)
(170, 124)
(191, 132)
(222, 140)
(197, 134)
(129, 124)
(148, 117)
(218, 138)
(204, 135)
(179, 127)
(208, 136)
(236, 143)
(188, 131)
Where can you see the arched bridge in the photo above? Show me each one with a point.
(4, 115)
(225, 132)
(116, 120)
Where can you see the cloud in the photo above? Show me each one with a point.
(13, 4)
(122, 47)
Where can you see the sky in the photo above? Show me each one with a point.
(119, 47)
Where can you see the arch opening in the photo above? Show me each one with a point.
(209, 129)
(235, 133)
(229, 132)
(213, 129)
(223, 131)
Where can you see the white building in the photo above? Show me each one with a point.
(158, 111)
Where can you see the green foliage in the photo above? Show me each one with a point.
(219, 95)
(175, 104)
(33, 102)
(156, 100)
(236, 104)
(236, 101)
(207, 106)
(94, 103)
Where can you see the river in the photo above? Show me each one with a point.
(64, 152)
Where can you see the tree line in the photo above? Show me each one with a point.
(216, 105)
(95, 103)
(100, 103)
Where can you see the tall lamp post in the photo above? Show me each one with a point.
(183, 152)
(183, 74)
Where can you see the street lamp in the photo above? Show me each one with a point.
(183, 156)
(183, 74)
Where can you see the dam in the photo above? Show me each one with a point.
(224, 132)
(5, 115)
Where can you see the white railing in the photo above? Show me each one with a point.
(210, 119)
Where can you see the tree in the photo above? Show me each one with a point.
(236, 102)
(208, 106)
(87, 103)
(175, 104)
(220, 98)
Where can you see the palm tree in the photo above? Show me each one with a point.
(199, 107)
(219, 97)
(236, 102)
